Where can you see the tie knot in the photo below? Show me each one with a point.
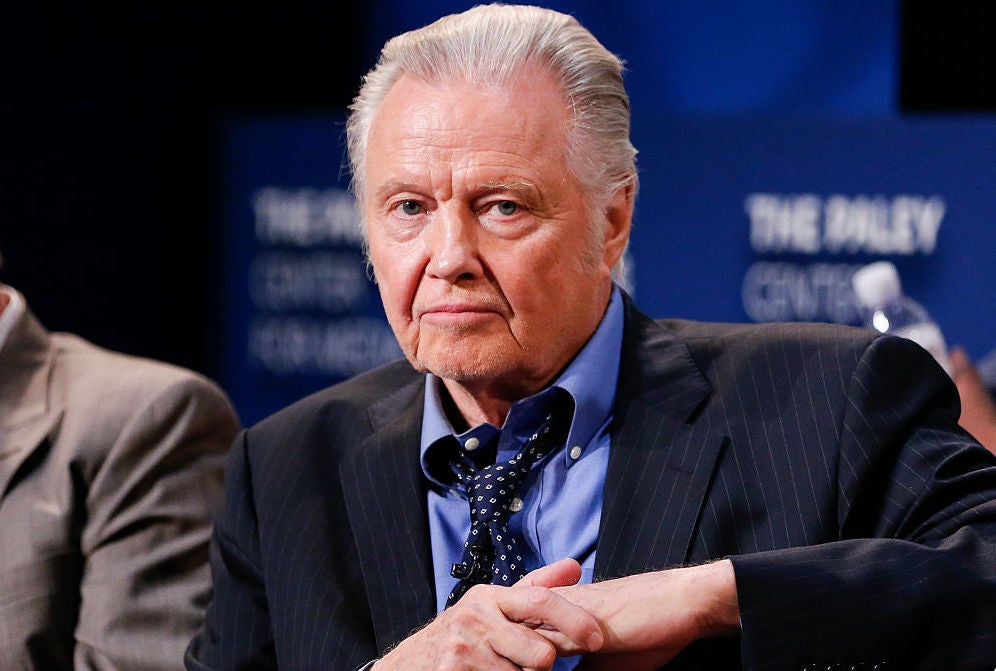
(492, 489)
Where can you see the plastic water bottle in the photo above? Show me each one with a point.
(888, 310)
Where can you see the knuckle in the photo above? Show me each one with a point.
(539, 596)
(476, 592)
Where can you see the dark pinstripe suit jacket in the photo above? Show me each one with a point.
(824, 460)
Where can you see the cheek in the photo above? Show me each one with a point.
(397, 279)
(397, 309)
(534, 289)
(562, 280)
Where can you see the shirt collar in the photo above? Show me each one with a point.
(11, 314)
(590, 379)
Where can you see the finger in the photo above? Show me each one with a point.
(541, 608)
(561, 573)
(523, 648)
(563, 644)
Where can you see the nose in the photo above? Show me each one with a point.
(452, 245)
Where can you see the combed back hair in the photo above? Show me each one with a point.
(490, 45)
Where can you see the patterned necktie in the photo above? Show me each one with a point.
(491, 554)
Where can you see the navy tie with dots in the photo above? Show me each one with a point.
(490, 553)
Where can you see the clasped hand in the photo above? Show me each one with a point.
(636, 623)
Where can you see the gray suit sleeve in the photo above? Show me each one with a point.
(149, 507)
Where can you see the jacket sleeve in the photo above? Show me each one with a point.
(149, 506)
(911, 582)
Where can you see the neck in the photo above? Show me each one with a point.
(4, 301)
(467, 406)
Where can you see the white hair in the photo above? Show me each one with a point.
(490, 44)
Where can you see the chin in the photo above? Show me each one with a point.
(464, 372)
(464, 367)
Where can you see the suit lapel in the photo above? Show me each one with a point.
(27, 414)
(386, 500)
(661, 461)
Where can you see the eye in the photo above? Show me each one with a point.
(506, 208)
(410, 208)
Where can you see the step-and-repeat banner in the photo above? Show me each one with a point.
(302, 311)
(737, 220)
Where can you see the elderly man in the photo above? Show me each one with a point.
(554, 479)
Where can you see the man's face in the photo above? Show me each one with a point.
(491, 272)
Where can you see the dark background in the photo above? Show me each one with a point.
(110, 124)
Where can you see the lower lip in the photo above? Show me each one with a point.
(457, 318)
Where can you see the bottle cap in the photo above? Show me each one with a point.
(877, 284)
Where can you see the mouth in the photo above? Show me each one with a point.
(456, 314)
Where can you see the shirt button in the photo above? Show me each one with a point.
(576, 452)
(471, 444)
(516, 505)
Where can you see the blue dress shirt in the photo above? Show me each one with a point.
(561, 498)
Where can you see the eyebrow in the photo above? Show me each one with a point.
(516, 185)
(392, 187)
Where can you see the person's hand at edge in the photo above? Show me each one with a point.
(978, 408)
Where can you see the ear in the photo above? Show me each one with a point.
(619, 217)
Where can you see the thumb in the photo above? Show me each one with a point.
(562, 573)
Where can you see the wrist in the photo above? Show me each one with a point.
(714, 589)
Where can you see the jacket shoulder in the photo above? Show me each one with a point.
(351, 405)
(787, 349)
(805, 334)
(86, 374)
